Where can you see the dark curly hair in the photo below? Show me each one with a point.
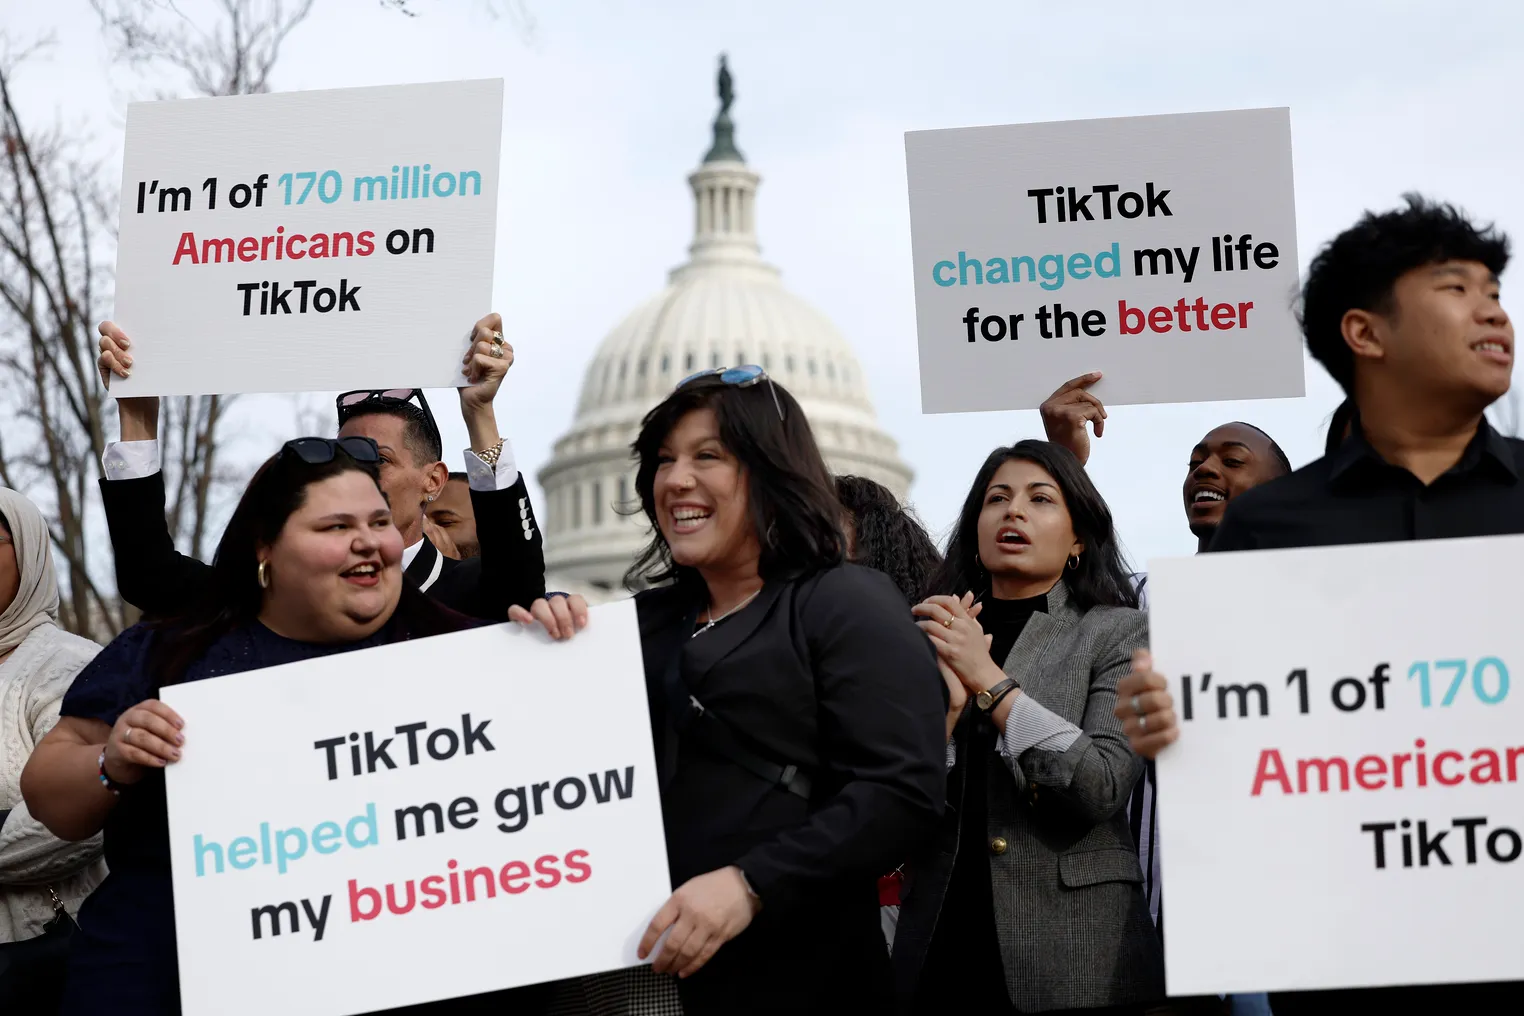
(1357, 269)
(886, 536)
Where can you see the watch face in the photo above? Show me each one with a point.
(982, 700)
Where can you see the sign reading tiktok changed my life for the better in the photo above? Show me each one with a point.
(426, 820)
(1158, 250)
(307, 241)
(1345, 805)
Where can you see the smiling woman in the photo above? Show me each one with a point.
(796, 710)
(309, 566)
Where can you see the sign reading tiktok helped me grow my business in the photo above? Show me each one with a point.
(307, 241)
(415, 822)
(1158, 250)
(1345, 805)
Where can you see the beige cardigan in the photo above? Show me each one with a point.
(33, 680)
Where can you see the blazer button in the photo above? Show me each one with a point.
(998, 845)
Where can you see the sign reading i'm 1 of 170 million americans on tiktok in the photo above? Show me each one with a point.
(307, 241)
(1344, 806)
(1159, 250)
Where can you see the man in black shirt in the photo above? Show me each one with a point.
(1403, 311)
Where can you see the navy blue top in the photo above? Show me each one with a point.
(123, 961)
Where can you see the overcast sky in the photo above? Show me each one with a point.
(608, 108)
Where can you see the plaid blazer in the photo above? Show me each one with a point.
(1070, 913)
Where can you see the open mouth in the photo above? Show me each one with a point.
(689, 518)
(1012, 538)
(1495, 349)
(366, 574)
(1205, 495)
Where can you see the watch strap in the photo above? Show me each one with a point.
(988, 699)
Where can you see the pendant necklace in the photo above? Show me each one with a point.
(716, 620)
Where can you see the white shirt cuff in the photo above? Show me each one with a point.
(131, 460)
(1030, 724)
(480, 476)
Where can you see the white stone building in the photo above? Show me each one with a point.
(724, 307)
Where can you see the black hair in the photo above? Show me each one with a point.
(1357, 269)
(278, 489)
(792, 500)
(888, 536)
(5, 524)
(460, 477)
(1275, 448)
(419, 433)
(1338, 424)
(1100, 578)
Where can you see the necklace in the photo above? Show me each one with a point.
(716, 620)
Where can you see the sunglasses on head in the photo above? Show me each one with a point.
(351, 402)
(317, 451)
(743, 376)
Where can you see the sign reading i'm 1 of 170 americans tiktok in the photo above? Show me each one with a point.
(1344, 806)
(307, 241)
(1158, 250)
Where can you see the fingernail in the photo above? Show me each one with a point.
(174, 753)
(126, 373)
(179, 738)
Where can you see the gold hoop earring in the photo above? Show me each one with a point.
(264, 574)
(1073, 561)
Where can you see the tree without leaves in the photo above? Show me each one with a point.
(52, 238)
(56, 235)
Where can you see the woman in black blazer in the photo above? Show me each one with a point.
(798, 714)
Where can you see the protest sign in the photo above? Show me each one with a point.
(1159, 250)
(1343, 806)
(420, 821)
(307, 241)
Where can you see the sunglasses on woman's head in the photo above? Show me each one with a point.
(317, 451)
(743, 376)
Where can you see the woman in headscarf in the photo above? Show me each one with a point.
(41, 876)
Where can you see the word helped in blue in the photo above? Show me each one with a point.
(1489, 680)
(1048, 270)
(283, 846)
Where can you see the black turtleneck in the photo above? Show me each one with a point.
(963, 964)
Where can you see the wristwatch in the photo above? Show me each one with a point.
(989, 698)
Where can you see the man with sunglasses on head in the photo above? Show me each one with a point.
(157, 579)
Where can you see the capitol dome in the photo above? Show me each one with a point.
(724, 307)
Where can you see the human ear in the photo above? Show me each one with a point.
(1362, 331)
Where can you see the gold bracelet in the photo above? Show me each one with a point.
(491, 455)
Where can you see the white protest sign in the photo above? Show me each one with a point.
(421, 821)
(1343, 808)
(1159, 250)
(307, 241)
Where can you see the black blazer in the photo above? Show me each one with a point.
(829, 673)
(160, 581)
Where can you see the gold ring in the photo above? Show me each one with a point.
(497, 338)
(127, 734)
(947, 623)
(497, 351)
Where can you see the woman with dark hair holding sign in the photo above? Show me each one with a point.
(1032, 899)
(310, 566)
(797, 711)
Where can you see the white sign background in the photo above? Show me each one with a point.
(557, 710)
(1225, 172)
(1281, 892)
(186, 321)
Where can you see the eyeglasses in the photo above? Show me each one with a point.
(743, 376)
(350, 403)
(317, 451)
